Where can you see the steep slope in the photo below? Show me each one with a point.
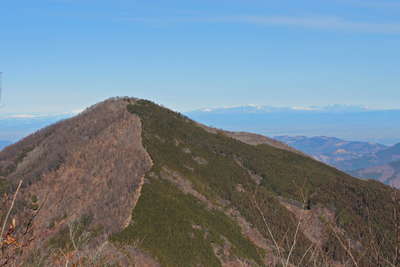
(136, 183)
(84, 173)
(234, 175)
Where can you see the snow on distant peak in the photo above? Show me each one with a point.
(21, 116)
(255, 108)
(306, 108)
(35, 115)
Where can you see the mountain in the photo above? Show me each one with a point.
(130, 183)
(388, 173)
(334, 151)
(383, 166)
(344, 122)
(251, 109)
(361, 159)
(381, 157)
(3, 144)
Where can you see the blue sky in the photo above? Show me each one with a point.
(63, 55)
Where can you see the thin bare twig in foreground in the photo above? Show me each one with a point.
(9, 212)
(344, 246)
(255, 203)
(305, 254)
(294, 241)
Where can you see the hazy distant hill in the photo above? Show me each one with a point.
(15, 126)
(388, 173)
(4, 144)
(383, 166)
(345, 122)
(130, 183)
(382, 157)
(361, 159)
(332, 150)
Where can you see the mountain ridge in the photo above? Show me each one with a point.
(333, 151)
(388, 173)
(360, 159)
(381, 157)
(135, 182)
(253, 108)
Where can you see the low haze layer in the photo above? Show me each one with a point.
(345, 122)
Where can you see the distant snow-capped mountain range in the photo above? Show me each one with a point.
(37, 115)
(16, 126)
(253, 108)
(342, 121)
(304, 128)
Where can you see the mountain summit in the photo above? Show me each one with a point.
(130, 183)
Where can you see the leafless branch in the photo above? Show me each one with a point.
(9, 212)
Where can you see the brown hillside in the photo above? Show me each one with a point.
(130, 183)
(88, 168)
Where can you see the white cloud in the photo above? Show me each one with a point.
(313, 22)
(324, 22)
(22, 116)
(76, 111)
(35, 115)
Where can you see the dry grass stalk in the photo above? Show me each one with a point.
(285, 262)
(294, 243)
(343, 245)
(305, 254)
(9, 212)
(255, 203)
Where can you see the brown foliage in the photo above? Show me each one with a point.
(89, 166)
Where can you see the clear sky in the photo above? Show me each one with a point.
(62, 55)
